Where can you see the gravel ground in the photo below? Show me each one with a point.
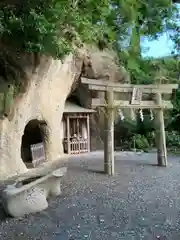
(140, 202)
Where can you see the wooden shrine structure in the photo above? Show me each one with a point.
(132, 99)
(76, 129)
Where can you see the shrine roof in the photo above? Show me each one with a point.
(74, 108)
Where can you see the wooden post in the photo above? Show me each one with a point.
(160, 134)
(109, 134)
(78, 137)
(88, 133)
(68, 135)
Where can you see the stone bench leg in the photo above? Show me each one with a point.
(30, 201)
(55, 187)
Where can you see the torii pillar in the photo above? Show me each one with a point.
(160, 133)
(109, 133)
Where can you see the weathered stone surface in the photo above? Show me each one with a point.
(34, 200)
(104, 64)
(29, 195)
(44, 100)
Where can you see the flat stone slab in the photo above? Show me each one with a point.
(29, 194)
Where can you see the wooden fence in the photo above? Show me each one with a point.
(77, 146)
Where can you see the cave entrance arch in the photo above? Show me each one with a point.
(33, 143)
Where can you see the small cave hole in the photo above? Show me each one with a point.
(34, 133)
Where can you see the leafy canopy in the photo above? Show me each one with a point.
(164, 70)
(53, 27)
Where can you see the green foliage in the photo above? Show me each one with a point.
(146, 126)
(174, 116)
(150, 136)
(53, 27)
(8, 99)
(173, 139)
(1, 103)
(125, 130)
(151, 20)
(148, 71)
(135, 134)
(140, 142)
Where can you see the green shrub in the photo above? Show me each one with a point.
(140, 135)
(140, 142)
(151, 137)
(173, 139)
(124, 131)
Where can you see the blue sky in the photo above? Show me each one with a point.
(157, 48)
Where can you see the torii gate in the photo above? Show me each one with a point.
(135, 102)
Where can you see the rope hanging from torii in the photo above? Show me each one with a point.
(136, 99)
(120, 112)
(122, 117)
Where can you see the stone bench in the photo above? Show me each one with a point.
(29, 195)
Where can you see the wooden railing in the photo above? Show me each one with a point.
(77, 146)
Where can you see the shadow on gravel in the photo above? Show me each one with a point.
(3, 215)
(98, 167)
(95, 171)
(135, 163)
(89, 169)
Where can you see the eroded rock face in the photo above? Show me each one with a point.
(49, 86)
(104, 65)
(44, 100)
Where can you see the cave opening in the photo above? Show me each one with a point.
(34, 136)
